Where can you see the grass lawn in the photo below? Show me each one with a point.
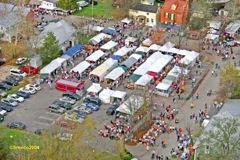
(102, 9)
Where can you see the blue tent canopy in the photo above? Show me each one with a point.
(72, 51)
(172, 27)
(109, 31)
(116, 57)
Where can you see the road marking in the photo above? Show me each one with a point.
(52, 113)
(46, 118)
(42, 123)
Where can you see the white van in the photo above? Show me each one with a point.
(18, 72)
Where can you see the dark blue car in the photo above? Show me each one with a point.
(16, 125)
(23, 94)
(5, 107)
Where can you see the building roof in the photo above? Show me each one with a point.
(11, 15)
(175, 5)
(34, 2)
(61, 29)
(233, 26)
(231, 106)
(145, 8)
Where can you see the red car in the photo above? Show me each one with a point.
(28, 69)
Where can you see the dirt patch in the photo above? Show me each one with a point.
(140, 132)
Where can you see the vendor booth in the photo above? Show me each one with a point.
(131, 105)
(173, 51)
(166, 47)
(100, 72)
(100, 37)
(115, 74)
(212, 38)
(142, 49)
(129, 62)
(109, 45)
(164, 88)
(123, 51)
(110, 63)
(118, 97)
(95, 56)
(94, 88)
(160, 64)
(143, 81)
(154, 47)
(109, 31)
(190, 59)
(105, 95)
(81, 67)
(126, 21)
(130, 40)
(72, 52)
(147, 42)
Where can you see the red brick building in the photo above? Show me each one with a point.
(174, 12)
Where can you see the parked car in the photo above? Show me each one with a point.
(14, 77)
(10, 82)
(56, 109)
(62, 104)
(27, 90)
(5, 86)
(2, 61)
(80, 114)
(23, 94)
(92, 100)
(111, 110)
(21, 60)
(3, 113)
(18, 72)
(35, 86)
(28, 69)
(17, 125)
(82, 3)
(86, 109)
(3, 93)
(72, 95)
(9, 102)
(68, 100)
(15, 97)
(5, 107)
(93, 106)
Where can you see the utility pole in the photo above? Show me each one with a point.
(92, 8)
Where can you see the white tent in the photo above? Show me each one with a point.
(119, 94)
(144, 80)
(212, 37)
(142, 49)
(105, 95)
(123, 51)
(98, 38)
(126, 20)
(147, 42)
(131, 105)
(163, 88)
(136, 56)
(100, 71)
(109, 45)
(50, 67)
(233, 27)
(115, 74)
(160, 64)
(131, 39)
(95, 56)
(174, 50)
(59, 60)
(110, 63)
(190, 58)
(94, 88)
(66, 57)
(81, 67)
(94, 28)
(154, 47)
(214, 26)
(182, 52)
(166, 47)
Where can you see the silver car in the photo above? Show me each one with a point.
(68, 100)
(9, 102)
(3, 93)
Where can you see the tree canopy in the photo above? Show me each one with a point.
(49, 50)
(67, 4)
(222, 142)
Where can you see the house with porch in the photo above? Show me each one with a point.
(174, 12)
(145, 12)
(12, 18)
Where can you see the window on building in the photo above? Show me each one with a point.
(172, 16)
(166, 14)
(147, 19)
(152, 20)
(147, 13)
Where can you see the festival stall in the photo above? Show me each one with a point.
(190, 59)
(95, 56)
(99, 73)
(143, 81)
(142, 49)
(154, 47)
(105, 95)
(166, 47)
(123, 51)
(160, 64)
(100, 37)
(147, 42)
(72, 52)
(114, 74)
(164, 88)
(81, 67)
(126, 21)
(109, 45)
(50, 69)
(95, 88)
(118, 97)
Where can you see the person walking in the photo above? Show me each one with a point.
(191, 105)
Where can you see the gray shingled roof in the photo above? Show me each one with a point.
(9, 15)
(145, 8)
(61, 29)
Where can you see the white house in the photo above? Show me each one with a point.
(48, 4)
(145, 12)
(64, 33)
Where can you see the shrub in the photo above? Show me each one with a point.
(125, 155)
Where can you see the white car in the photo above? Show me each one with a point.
(28, 90)
(9, 102)
(17, 72)
(35, 86)
(15, 97)
(21, 60)
(67, 99)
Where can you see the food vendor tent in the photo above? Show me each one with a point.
(100, 71)
(166, 47)
(110, 63)
(163, 88)
(48, 69)
(174, 50)
(123, 51)
(190, 58)
(109, 45)
(105, 95)
(136, 56)
(119, 95)
(126, 20)
(74, 50)
(154, 47)
(109, 31)
(129, 62)
(95, 56)
(115, 74)
(144, 80)
(134, 77)
(147, 42)
(160, 64)
(98, 38)
(131, 105)
(142, 49)
(94, 88)
(81, 67)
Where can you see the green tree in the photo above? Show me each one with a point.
(229, 81)
(222, 142)
(67, 4)
(49, 50)
(197, 23)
